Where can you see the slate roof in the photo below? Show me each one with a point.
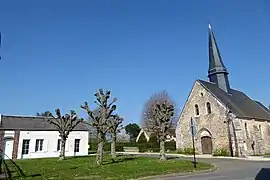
(241, 105)
(31, 123)
(170, 131)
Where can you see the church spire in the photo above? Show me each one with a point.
(217, 72)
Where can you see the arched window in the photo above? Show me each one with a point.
(208, 106)
(246, 129)
(197, 110)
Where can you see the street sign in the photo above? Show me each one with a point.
(192, 127)
(193, 132)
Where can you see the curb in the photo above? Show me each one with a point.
(194, 172)
(202, 157)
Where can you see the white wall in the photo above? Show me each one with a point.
(50, 143)
(8, 144)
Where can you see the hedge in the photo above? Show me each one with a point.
(153, 145)
(144, 146)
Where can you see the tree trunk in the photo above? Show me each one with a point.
(101, 138)
(113, 144)
(63, 148)
(162, 149)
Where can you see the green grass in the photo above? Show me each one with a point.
(125, 167)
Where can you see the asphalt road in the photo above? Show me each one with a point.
(230, 170)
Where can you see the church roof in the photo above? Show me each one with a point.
(31, 124)
(216, 64)
(240, 104)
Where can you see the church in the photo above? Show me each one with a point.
(225, 118)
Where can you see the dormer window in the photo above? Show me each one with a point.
(208, 106)
(197, 112)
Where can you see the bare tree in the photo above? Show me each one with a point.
(115, 127)
(101, 119)
(158, 117)
(92, 129)
(64, 124)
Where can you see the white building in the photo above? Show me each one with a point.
(33, 137)
(170, 135)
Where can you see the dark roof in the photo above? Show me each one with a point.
(170, 131)
(263, 106)
(216, 64)
(241, 105)
(31, 123)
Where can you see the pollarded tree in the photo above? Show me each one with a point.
(101, 120)
(64, 124)
(158, 117)
(115, 124)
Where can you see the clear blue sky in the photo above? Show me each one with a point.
(56, 54)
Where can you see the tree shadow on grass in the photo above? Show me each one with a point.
(124, 159)
(47, 172)
(172, 157)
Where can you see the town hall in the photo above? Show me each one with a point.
(225, 118)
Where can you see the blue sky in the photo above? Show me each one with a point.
(56, 54)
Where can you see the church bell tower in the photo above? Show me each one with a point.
(217, 72)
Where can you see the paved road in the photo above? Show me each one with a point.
(231, 170)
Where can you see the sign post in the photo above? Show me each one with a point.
(193, 132)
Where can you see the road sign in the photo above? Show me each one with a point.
(193, 132)
(192, 127)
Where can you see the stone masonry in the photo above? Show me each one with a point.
(243, 131)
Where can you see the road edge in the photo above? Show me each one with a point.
(214, 168)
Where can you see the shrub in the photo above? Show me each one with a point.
(153, 144)
(170, 145)
(128, 144)
(93, 146)
(221, 152)
(187, 151)
(119, 148)
(142, 144)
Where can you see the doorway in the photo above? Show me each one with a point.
(206, 145)
(8, 148)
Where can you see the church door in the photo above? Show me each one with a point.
(206, 145)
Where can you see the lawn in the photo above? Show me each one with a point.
(125, 167)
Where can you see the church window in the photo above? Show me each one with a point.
(246, 129)
(202, 94)
(208, 105)
(260, 129)
(197, 110)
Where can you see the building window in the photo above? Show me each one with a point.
(77, 145)
(39, 145)
(246, 130)
(58, 144)
(208, 106)
(25, 146)
(197, 112)
(260, 129)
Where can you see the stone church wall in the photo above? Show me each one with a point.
(243, 131)
(212, 123)
(256, 131)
